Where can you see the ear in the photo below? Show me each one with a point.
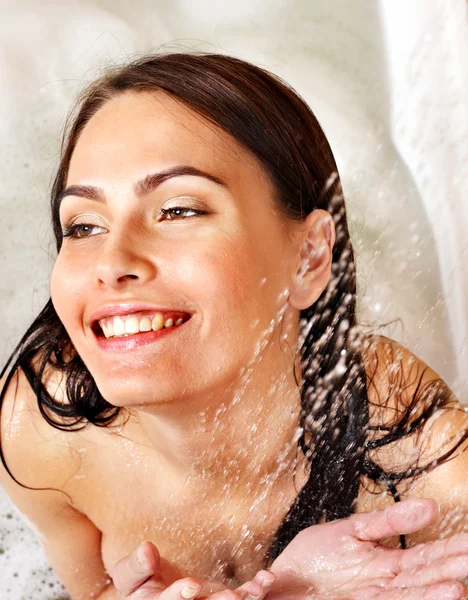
(314, 264)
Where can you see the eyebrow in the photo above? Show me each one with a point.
(142, 187)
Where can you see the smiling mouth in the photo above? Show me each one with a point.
(136, 324)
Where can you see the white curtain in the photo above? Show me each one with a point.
(427, 56)
(388, 81)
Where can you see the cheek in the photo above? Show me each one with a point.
(230, 290)
(67, 293)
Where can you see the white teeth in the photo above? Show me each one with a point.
(110, 328)
(132, 325)
(158, 322)
(118, 326)
(145, 324)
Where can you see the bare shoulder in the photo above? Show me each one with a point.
(42, 460)
(398, 380)
(36, 453)
(418, 433)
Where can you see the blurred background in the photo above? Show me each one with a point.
(388, 81)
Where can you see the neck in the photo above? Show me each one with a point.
(228, 433)
(245, 433)
(240, 440)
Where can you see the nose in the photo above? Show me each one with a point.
(122, 259)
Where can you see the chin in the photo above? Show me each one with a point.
(133, 393)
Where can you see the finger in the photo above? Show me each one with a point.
(183, 589)
(227, 594)
(188, 588)
(133, 570)
(424, 554)
(404, 517)
(258, 587)
(265, 578)
(450, 590)
(391, 563)
(441, 570)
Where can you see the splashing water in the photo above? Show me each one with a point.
(397, 268)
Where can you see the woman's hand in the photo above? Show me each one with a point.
(139, 576)
(344, 560)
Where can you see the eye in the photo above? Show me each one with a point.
(178, 211)
(80, 230)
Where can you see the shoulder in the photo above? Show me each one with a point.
(36, 453)
(418, 433)
(41, 461)
(397, 380)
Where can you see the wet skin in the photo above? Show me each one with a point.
(205, 474)
(234, 269)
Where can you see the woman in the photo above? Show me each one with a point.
(200, 379)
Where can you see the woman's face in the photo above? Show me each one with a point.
(227, 267)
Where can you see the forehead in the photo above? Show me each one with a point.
(135, 133)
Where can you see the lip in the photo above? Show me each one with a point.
(127, 308)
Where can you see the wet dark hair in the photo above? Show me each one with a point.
(267, 117)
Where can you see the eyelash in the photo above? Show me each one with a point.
(70, 230)
(166, 211)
